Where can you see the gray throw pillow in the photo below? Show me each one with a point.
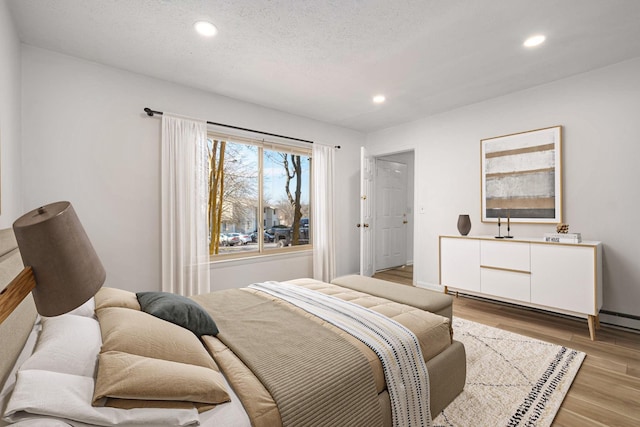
(179, 310)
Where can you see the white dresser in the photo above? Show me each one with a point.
(560, 277)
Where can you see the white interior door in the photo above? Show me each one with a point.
(366, 213)
(390, 214)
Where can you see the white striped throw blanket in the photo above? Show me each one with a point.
(398, 348)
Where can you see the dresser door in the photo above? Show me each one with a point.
(460, 263)
(564, 276)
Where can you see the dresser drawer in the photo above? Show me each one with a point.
(506, 255)
(506, 284)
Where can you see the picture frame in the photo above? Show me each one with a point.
(522, 177)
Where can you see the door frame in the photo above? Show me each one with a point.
(377, 152)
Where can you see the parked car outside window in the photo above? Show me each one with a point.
(234, 239)
(268, 238)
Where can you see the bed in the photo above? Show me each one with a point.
(271, 362)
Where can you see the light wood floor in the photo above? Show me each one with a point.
(402, 275)
(606, 391)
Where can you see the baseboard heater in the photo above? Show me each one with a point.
(627, 316)
(630, 322)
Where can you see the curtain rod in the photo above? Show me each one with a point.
(151, 112)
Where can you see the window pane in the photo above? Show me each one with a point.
(233, 197)
(286, 198)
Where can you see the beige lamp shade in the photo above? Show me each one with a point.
(66, 268)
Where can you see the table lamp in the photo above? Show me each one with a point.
(62, 270)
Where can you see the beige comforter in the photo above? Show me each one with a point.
(316, 377)
(433, 332)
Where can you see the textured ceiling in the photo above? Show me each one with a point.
(325, 59)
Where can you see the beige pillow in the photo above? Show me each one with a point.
(112, 297)
(139, 333)
(113, 402)
(147, 382)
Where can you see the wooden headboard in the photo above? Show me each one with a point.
(16, 328)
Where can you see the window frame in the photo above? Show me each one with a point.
(262, 145)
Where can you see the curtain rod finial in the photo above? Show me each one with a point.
(148, 111)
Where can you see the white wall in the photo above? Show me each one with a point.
(599, 112)
(87, 140)
(10, 159)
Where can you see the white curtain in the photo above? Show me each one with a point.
(185, 249)
(322, 220)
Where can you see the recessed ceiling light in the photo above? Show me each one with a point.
(379, 99)
(534, 40)
(205, 28)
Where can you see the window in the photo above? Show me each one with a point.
(259, 197)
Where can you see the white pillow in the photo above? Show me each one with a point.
(67, 344)
(69, 397)
(35, 421)
(88, 309)
(26, 352)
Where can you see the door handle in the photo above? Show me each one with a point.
(405, 222)
(358, 225)
(366, 225)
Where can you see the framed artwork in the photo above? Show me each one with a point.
(521, 177)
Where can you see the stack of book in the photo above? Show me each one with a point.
(563, 237)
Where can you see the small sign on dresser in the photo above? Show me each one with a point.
(563, 237)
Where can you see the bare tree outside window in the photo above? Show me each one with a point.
(216, 190)
(232, 186)
(293, 170)
(289, 174)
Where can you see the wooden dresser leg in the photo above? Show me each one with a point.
(594, 322)
(446, 291)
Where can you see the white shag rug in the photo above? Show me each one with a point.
(512, 380)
